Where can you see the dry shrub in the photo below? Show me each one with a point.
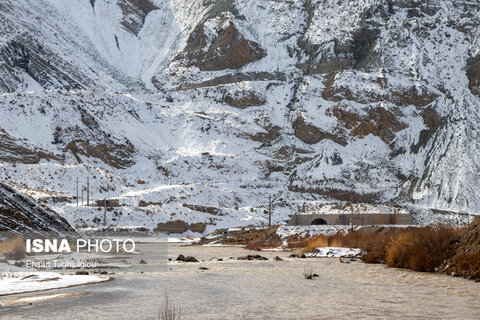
(296, 241)
(466, 265)
(13, 248)
(310, 244)
(373, 241)
(466, 262)
(308, 272)
(375, 244)
(434, 248)
(422, 249)
(169, 311)
(262, 239)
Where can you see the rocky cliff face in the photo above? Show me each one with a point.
(20, 215)
(222, 103)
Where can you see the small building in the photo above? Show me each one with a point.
(353, 219)
(110, 203)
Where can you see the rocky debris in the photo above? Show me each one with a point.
(473, 74)
(311, 134)
(228, 49)
(103, 272)
(182, 258)
(252, 257)
(21, 215)
(253, 239)
(179, 226)
(215, 259)
(143, 262)
(134, 14)
(298, 255)
(342, 261)
(203, 268)
(277, 258)
(82, 273)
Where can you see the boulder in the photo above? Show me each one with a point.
(252, 257)
(82, 273)
(186, 259)
(298, 255)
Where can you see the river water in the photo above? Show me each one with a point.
(232, 289)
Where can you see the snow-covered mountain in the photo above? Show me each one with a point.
(200, 110)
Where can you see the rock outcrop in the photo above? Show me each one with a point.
(473, 74)
(25, 55)
(21, 215)
(221, 47)
(135, 12)
(310, 134)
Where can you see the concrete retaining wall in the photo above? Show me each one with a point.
(354, 219)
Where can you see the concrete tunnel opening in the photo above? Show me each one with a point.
(318, 221)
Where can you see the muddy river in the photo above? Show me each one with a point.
(232, 289)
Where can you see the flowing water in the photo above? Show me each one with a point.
(232, 289)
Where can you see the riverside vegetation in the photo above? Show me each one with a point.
(441, 248)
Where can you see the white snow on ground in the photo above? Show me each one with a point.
(334, 252)
(327, 230)
(41, 298)
(20, 282)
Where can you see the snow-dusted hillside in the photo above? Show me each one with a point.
(200, 110)
(20, 215)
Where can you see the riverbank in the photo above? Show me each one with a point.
(444, 249)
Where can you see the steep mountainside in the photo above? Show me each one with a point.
(20, 215)
(200, 110)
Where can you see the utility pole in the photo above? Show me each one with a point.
(269, 211)
(77, 191)
(88, 191)
(105, 212)
(351, 201)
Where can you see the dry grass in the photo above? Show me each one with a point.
(374, 243)
(422, 249)
(308, 272)
(169, 311)
(13, 249)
